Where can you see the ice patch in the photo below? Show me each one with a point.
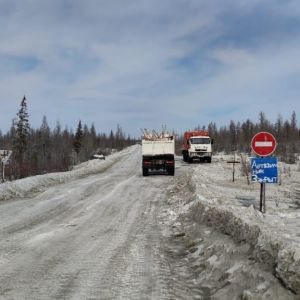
(213, 260)
(234, 268)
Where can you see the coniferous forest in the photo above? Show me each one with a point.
(43, 150)
(237, 136)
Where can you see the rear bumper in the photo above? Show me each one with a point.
(158, 162)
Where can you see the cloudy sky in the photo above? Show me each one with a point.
(144, 63)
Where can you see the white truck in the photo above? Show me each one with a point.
(158, 153)
(197, 145)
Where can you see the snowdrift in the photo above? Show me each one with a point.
(243, 225)
(273, 241)
(23, 187)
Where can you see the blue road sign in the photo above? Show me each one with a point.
(264, 170)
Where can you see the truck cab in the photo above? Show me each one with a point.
(197, 145)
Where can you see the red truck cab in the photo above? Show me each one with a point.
(197, 144)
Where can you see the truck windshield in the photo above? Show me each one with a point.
(200, 141)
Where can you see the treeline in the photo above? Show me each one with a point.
(237, 136)
(42, 150)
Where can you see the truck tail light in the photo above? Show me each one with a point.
(170, 162)
(146, 162)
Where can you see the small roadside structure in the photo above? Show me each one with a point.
(4, 161)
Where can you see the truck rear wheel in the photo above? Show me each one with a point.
(208, 160)
(145, 172)
(171, 171)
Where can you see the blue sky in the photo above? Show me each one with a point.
(143, 63)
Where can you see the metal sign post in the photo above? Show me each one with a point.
(263, 169)
(262, 200)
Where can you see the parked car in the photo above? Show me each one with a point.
(98, 156)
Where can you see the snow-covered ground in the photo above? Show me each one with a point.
(231, 208)
(23, 187)
(103, 231)
(92, 233)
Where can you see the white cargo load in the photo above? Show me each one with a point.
(158, 146)
(158, 151)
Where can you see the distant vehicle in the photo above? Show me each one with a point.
(98, 156)
(197, 145)
(158, 153)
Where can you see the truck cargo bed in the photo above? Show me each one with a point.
(159, 147)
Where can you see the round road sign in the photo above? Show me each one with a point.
(263, 144)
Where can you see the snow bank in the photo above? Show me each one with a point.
(243, 225)
(272, 242)
(23, 187)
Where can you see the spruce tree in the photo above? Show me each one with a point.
(93, 136)
(45, 140)
(78, 138)
(21, 138)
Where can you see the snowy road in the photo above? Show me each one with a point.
(99, 237)
(117, 235)
(92, 238)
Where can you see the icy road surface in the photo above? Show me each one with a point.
(118, 235)
(97, 237)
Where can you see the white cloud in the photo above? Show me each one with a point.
(126, 60)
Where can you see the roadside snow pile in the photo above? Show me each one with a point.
(220, 267)
(274, 237)
(22, 187)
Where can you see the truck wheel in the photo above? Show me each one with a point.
(145, 172)
(208, 160)
(190, 160)
(171, 171)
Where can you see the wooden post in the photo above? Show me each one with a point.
(233, 162)
(3, 171)
(233, 167)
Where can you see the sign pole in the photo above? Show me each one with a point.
(264, 198)
(261, 196)
(262, 202)
(264, 170)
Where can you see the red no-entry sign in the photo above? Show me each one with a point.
(263, 144)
